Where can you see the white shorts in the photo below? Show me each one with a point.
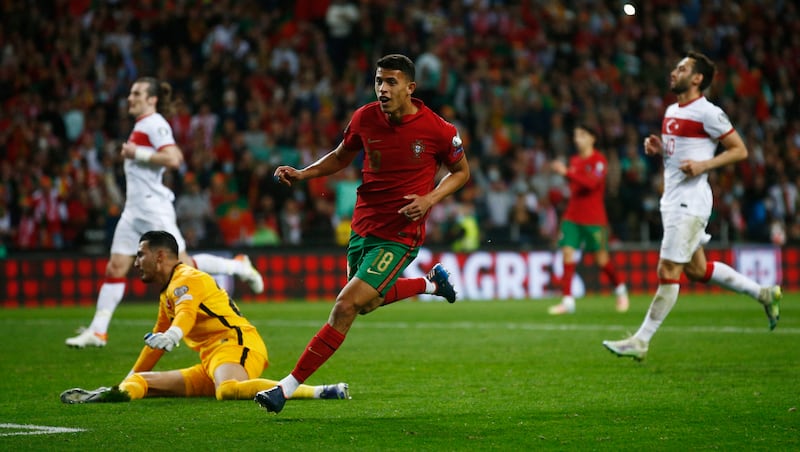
(132, 226)
(683, 235)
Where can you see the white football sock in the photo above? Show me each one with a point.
(107, 300)
(430, 286)
(569, 302)
(289, 385)
(725, 276)
(665, 298)
(216, 265)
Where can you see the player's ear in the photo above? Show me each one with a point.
(411, 87)
(697, 78)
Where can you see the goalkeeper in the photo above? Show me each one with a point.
(194, 309)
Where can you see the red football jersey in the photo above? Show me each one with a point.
(587, 185)
(399, 160)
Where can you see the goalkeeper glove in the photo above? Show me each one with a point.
(165, 341)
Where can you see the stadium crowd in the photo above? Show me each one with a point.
(269, 82)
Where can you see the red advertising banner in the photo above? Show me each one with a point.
(317, 275)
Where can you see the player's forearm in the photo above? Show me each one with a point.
(170, 162)
(170, 157)
(147, 359)
(185, 318)
(330, 163)
(588, 181)
(735, 150)
(449, 184)
(728, 156)
(325, 166)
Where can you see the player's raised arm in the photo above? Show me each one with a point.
(330, 163)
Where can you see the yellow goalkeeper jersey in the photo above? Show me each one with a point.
(204, 312)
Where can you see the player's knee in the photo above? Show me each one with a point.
(695, 273)
(346, 308)
(196, 383)
(669, 270)
(367, 309)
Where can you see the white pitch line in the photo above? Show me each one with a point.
(525, 326)
(37, 429)
(456, 325)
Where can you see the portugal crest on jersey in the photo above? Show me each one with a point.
(418, 148)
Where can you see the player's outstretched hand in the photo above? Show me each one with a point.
(165, 341)
(653, 145)
(558, 167)
(286, 175)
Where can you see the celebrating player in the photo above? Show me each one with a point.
(150, 150)
(195, 309)
(690, 131)
(404, 143)
(585, 222)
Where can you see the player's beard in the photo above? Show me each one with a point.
(680, 86)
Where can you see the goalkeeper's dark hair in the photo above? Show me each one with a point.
(397, 62)
(161, 240)
(161, 90)
(704, 66)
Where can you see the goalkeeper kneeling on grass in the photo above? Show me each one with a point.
(193, 308)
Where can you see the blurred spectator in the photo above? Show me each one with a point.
(465, 234)
(6, 231)
(783, 195)
(203, 125)
(77, 207)
(266, 233)
(291, 222)
(340, 19)
(236, 223)
(96, 236)
(319, 223)
(524, 222)
(194, 213)
(497, 203)
(345, 193)
(49, 213)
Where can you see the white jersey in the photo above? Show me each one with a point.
(145, 191)
(690, 132)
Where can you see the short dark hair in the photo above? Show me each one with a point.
(162, 240)
(398, 62)
(702, 65)
(163, 91)
(588, 128)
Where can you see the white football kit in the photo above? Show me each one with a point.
(148, 202)
(688, 132)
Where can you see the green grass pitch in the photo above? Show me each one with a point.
(429, 376)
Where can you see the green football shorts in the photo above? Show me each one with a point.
(590, 238)
(377, 262)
